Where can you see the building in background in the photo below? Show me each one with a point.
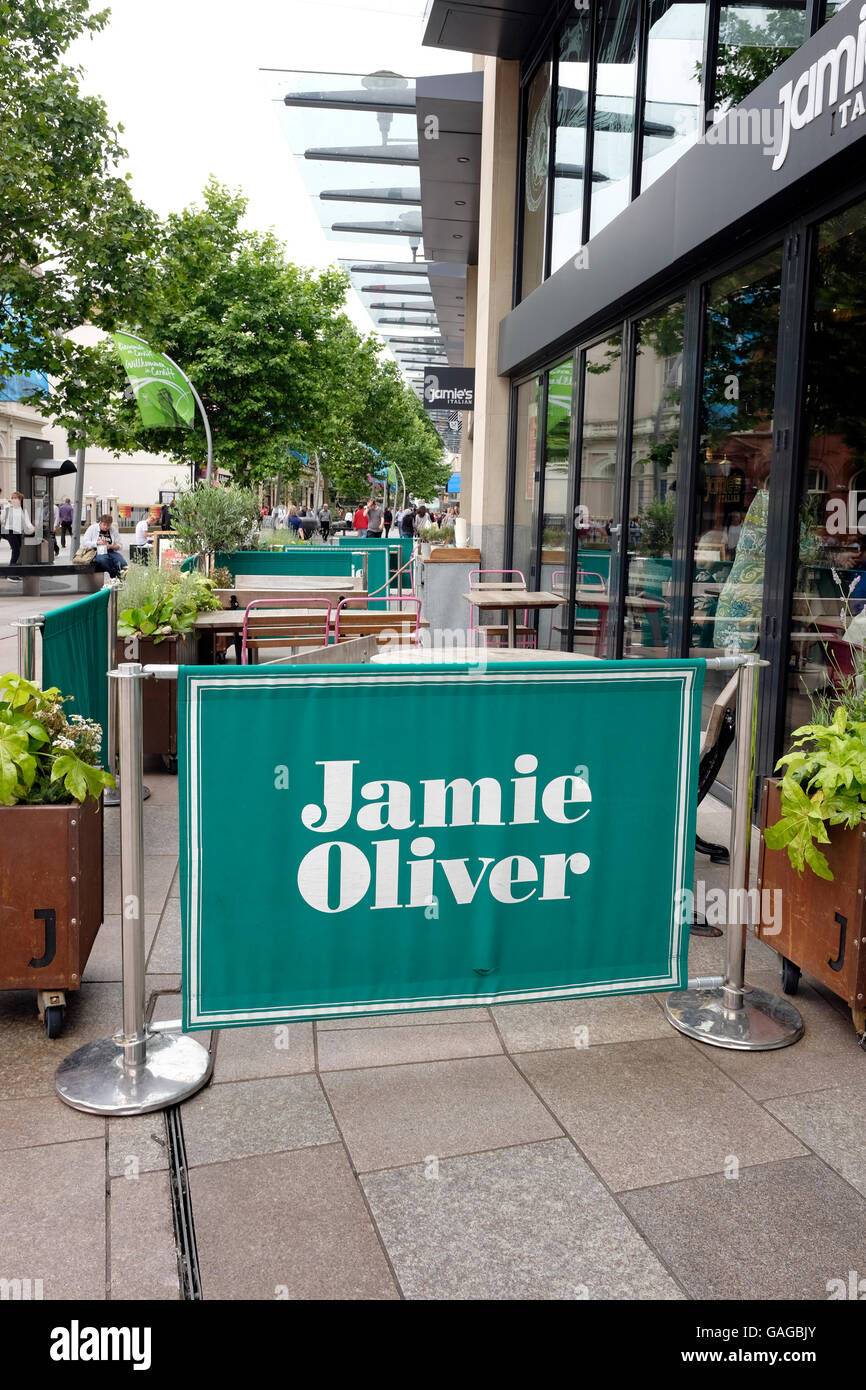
(666, 318)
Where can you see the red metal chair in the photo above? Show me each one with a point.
(286, 622)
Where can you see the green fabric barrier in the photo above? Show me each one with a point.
(548, 854)
(75, 657)
(400, 547)
(311, 561)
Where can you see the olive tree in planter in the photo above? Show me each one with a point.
(209, 519)
(51, 856)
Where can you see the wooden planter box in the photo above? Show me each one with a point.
(823, 923)
(51, 901)
(159, 698)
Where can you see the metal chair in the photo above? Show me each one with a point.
(285, 622)
(398, 625)
(526, 635)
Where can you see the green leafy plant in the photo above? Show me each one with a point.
(46, 757)
(222, 578)
(160, 603)
(437, 535)
(824, 785)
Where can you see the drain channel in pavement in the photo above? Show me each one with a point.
(181, 1206)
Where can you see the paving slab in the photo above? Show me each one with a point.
(160, 825)
(470, 1014)
(143, 1263)
(778, 1231)
(105, 959)
(284, 1049)
(530, 1222)
(28, 1059)
(27, 1124)
(403, 1114)
(165, 957)
(136, 1144)
(830, 1123)
(654, 1111)
(52, 1218)
(380, 1047)
(159, 872)
(238, 1119)
(827, 1056)
(580, 1022)
(287, 1226)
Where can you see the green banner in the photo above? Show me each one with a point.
(162, 392)
(75, 657)
(527, 837)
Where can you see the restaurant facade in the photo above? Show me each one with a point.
(670, 424)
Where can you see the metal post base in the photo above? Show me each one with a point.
(764, 1022)
(94, 1078)
(111, 795)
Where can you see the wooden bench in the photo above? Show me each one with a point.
(397, 626)
(89, 579)
(285, 622)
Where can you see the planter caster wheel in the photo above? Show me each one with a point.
(54, 1020)
(790, 976)
(170, 764)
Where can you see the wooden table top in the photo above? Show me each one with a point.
(514, 598)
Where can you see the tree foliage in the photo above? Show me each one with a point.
(75, 245)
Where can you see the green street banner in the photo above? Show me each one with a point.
(527, 836)
(162, 392)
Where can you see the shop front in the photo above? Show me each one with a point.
(687, 460)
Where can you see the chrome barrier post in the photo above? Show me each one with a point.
(27, 630)
(112, 794)
(139, 1069)
(731, 1013)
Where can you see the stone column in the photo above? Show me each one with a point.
(493, 301)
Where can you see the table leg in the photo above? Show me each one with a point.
(512, 627)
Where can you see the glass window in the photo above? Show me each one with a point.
(595, 534)
(738, 392)
(614, 114)
(753, 41)
(570, 147)
(554, 497)
(652, 497)
(832, 7)
(524, 475)
(830, 588)
(672, 104)
(536, 155)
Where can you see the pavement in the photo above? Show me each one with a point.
(565, 1150)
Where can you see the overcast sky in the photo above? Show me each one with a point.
(184, 79)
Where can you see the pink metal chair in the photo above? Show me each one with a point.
(509, 579)
(285, 622)
(398, 624)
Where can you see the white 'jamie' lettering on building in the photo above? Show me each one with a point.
(804, 100)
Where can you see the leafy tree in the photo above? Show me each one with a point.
(249, 329)
(75, 246)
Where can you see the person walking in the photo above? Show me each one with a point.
(65, 514)
(325, 521)
(374, 520)
(104, 537)
(16, 524)
(407, 521)
(359, 520)
(422, 520)
(387, 520)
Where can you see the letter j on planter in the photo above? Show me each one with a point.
(358, 841)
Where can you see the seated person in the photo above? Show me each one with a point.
(104, 537)
(142, 532)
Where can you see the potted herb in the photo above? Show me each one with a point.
(813, 847)
(157, 609)
(51, 855)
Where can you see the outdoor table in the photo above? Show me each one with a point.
(513, 601)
